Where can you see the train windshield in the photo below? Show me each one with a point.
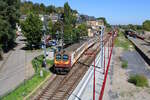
(65, 57)
(58, 57)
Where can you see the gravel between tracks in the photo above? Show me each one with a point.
(61, 86)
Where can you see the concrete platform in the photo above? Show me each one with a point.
(84, 90)
(143, 47)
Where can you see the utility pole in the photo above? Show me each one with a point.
(102, 44)
(62, 37)
(44, 45)
(62, 33)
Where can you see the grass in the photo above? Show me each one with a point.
(122, 42)
(29, 85)
(124, 64)
(138, 80)
(37, 63)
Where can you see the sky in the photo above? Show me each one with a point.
(115, 11)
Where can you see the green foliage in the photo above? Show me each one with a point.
(122, 42)
(124, 64)
(51, 9)
(50, 25)
(32, 30)
(68, 34)
(69, 25)
(67, 14)
(105, 21)
(9, 15)
(83, 29)
(76, 31)
(24, 89)
(138, 80)
(69, 19)
(37, 63)
(28, 7)
(146, 25)
(133, 27)
(56, 27)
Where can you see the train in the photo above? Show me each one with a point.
(65, 59)
(133, 34)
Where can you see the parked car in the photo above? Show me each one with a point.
(51, 43)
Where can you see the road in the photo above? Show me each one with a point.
(17, 67)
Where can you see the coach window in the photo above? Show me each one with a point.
(65, 57)
(58, 57)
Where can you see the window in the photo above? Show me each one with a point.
(58, 57)
(65, 57)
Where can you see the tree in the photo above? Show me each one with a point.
(56, 28)
(9, 16)
(76, 31)
(83, 29)
(69, 24)
(50, 25)
(146, 25)
(42, 8)
(27, 7)
(133, 27)
(59, 10)
(50, 9)
(104, 20)
(67, 13)
(32, 30)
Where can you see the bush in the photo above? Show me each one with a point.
(138, 80)
(124, 64)
(24, 89)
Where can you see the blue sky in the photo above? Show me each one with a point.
(115, 11)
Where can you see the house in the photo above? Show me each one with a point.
(55, 17)
(23, 17)
(94, 26)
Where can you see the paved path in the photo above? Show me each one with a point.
(84, 90)
(13, 72)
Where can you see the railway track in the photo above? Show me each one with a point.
(62, 86)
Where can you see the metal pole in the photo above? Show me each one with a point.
(101, 37)
(45, 49)
(105, 77)
(104, 60)
(94, 79)
(62, 37)
(108, 47)
(44, 29)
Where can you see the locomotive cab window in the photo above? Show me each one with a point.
(58, 57)
(65, 57)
